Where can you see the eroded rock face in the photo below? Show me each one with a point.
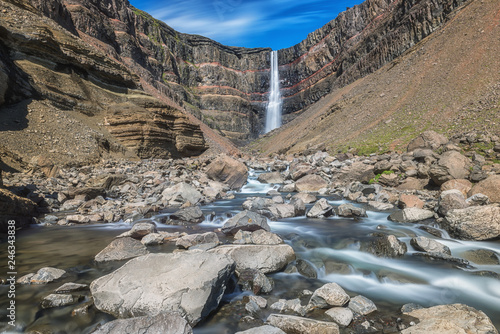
(189, 283)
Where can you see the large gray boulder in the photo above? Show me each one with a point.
(450, 319)
(266, 258)
(449, 200)
(189, 283)
(293, 324)
(310, 183)
(474, 223)
(246, 221)
(164, 323)
(180, 194)
(121, 249)
(189, 215)
(321, 209)
(385, 246)
(229, 171)
(330, 294)
(280, 211)
(429, 245)
(451, 165)
(139, 230)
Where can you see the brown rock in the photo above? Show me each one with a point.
(459, 184)
(311, 182)
(410, 201)
(451, 165)
(15, 208)
(489, 187)
(229, 171)
(412, 183)
(428, 139)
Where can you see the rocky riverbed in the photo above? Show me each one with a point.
(312, 243)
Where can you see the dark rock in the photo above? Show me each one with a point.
(442, 257)
(385, 246)
(189, 215)
(306, 269)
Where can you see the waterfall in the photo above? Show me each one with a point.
(273, 112)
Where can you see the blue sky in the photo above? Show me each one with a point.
(252, 23)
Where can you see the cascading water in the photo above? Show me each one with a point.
(273, 113)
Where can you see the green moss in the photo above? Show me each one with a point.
(377, 177)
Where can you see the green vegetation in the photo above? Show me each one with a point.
(377, 177)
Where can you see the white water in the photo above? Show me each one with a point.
(273, 112)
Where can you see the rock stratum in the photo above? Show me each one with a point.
(106, 60)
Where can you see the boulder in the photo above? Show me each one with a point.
(482, 256)
(410, 215)
(139, 230)
(71, 287)
(191, 240)
(321, 209)
(289, 306)
(341, 315)
(165, 323)
(385, 246)
(474, 223)
(349, 210)
(412, 183)
(410, 201)
(47, 275)
(58, 300)
(257, 204)
(306, 268)
(280, 211)
(428, 245)
(180, 194)
(477, 200)
(228, 170)
(254, 280)
(300, 207)
(449, 200)
(266, 258)
(189, 215)
(489, 187)
(274, 177)
(464, 186)
(246, 221)
(451, 165)
(77, 219)
(305, 197)
(262, 237)
(266, 329)
(330, 294)
(310, 183)
(389, 180)
(189, 283)
(294, 324)
(428, 139)
(121, 249)
(358, 171)
(362, 305)
(450, 319)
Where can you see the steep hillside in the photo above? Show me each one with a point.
(449, 82)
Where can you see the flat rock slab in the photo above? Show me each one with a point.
(266, 258)
(189, 283)
(121, 249)
(164, 323)
(293, 324)
(71, 287)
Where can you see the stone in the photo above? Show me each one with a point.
(86, 193)
(407, 308)
(450, 319)
(152, 239)
(273, 177)
(305, 197)
(300, 207)
(410, 215)
(482, 256)
(58, 300)
(389, 180)
(189, 215)
(451, 165)
(410, 201)
(477, 200)
(228, 171)
(246, 221)
(341, 315)
(191, 240)
(260, 301)
(71, 287)
(428, 139)
(266, 258)
(379, 206)
(263, 237)
(165, 323)
(180, 194)
(292, 305)
(13, 207)
(464, 186)
(294, 324)
(349, 210)
(47, 275)
(330, 294)
(489, 187)
(412, 183)
(254, 280)
(266, 329)
(385, 246)
(77, 219)
(139, 230)
(429, 245)
(121, 249)
(449, 200)
(362, 305)
(280, 211)
(474, 223)
(189, 283)
(305, 268)
(321, 209)
(310, 183)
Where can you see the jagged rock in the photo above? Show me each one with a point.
(181, 193)
(121, 249)
(386, 246)
(294, 324)
(450, 319)
(86, 193)
(263, 237)
(311, 183)
(257, 204)
(482, 256)
(57, 300)
(474, 223)
(410, 215)
(489, 187)
(428, 245)
(266, 258)
(292, 305)
(254, 280)
(362, 305)
(260, 301)
(330, 294)
(189, 283)
(229, 171)
(280, 211)
(246, 221)
(71, 287)
(300, 207)
(427, 139)
(166, 323)
(464, 186)
(266, 329)
(77, 219)
(321, 209)
(139, 230)
(189, 215)
(379, 206)
(477, 200)
(273, 177)
(46, 275)
(305, 197)
(191, 240)
(341, 315)
(349, 210)
(451, 165)
(449, 200)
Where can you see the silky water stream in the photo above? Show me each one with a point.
(330, 245)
